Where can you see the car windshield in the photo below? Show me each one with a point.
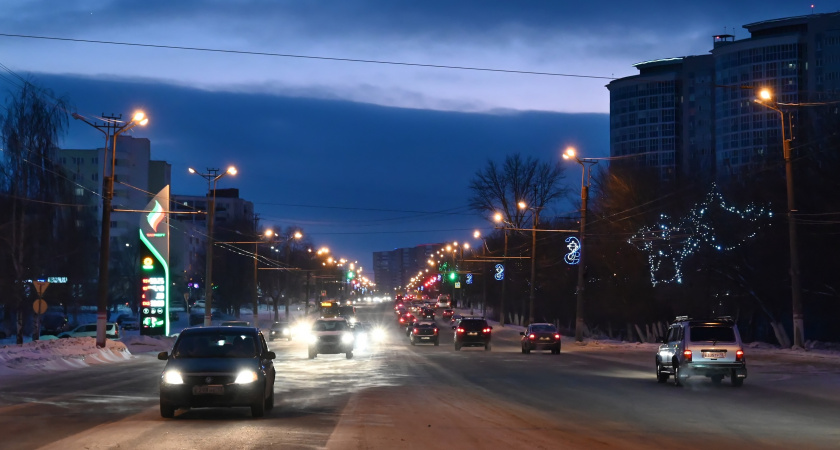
(712, 333)
(216, 345)
(543, 329)
(330, 325)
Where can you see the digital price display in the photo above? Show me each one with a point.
(152, 301)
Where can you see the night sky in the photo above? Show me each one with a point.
(362, 156)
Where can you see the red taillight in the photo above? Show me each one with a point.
(402, 319)
(557, 337)
(739, 355)
(687, 355)
(532, 336)
(436, 330)
(416, 330)
(459, 330)
(486, 330)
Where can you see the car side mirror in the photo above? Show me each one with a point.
(163, 356)
(269, 355)
(453, 327)
(490, 327)
(522, 333)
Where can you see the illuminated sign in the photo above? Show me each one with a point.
(154, 267)
(469, 278)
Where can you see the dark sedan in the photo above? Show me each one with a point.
(424, 333)
(218, 367)
(541, 336)
(280, 330)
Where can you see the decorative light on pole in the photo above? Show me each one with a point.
(586, 176)
(111, 128)
(766, 99)
(212, 176)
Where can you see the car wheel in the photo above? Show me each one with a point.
(523, 350)
(258, 408)
(558, 349)
(437, 343)
(737, 382)
(269, 402)
(716, 379)
(349, 355)
(677, 381)
(457, 347)
(487, 347)
(661, 376)
(412, 341)
(312, 353)
(167, 411)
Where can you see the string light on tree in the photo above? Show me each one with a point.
(670, 243)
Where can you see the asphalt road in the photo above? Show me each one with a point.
(401, 396)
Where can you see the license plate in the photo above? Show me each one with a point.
(425, 338)
(714, 355)
(212, 389)
(544, 338)
(473, 333)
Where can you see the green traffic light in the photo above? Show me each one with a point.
(452, 276)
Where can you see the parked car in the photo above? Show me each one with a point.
(128, 321)
(540, 336)
(54, 323)
(218, 366)
(709, 348)
(112, 331)
(472, 332)
(331, 335)
(199, 304)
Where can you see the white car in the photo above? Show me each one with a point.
(710, 348)
(112, 331)
(331, 335)
(199, 304)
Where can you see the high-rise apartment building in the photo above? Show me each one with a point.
(695, 116)
(393, 269)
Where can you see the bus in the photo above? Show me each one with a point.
(329, 308)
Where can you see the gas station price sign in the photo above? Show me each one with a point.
(153, 315)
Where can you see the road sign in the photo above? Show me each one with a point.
(457, 285)
(40, 287)
(40, 306)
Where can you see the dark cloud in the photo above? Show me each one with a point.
(357, 177)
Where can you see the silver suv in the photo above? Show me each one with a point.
(711, 348)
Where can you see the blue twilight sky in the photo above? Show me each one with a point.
(363, 157)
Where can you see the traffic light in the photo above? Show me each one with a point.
(351, 275)
(453, 276)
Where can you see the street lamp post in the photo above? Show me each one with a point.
(498, 218)
(112, 128)
(212, 176)
(586, 166)
(523, 205)
(795, 283)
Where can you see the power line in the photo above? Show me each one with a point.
(321, 58)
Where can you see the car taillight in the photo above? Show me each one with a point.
(486, 330)
(416, 330)
(459, 330)
(402, 319)
(532, 336)
(557, 336)
(436, 330)
(739, 355)
(687, 355)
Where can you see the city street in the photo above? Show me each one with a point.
(400, 396)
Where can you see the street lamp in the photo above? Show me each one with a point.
(111, 128)
(522, 205)
(498, 218)
(586, 176)
(212, 176)
(766, 99)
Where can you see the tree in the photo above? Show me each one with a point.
(499, 189)
(32, 121)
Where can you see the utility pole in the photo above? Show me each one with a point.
(111, 127)
(256, 280)
(504, 282)
(533, 265)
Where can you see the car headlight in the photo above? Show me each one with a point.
(312, 338)
(246, 376)
(347, 338)
(286, 331)
(378, 334)
(172, 377)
